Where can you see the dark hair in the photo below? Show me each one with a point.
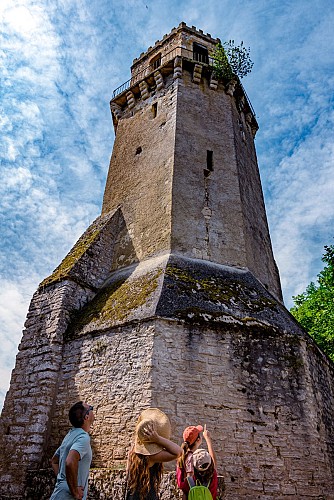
(205, 476)
(76, 414)
(142, 479)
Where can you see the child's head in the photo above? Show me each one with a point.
(191, 441)
(203, 465)
(192, 434)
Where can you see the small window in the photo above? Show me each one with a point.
(200, 53)
(156, 62)
(138, 150)
(209, 160)
(154, 109)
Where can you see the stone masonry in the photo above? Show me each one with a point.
(172, 298)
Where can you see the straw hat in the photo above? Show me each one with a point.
(162, 426)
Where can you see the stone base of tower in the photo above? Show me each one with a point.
(104, 484)
(206, 344)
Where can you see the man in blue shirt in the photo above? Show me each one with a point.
(71, 461)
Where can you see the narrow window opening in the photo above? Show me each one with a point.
(138, 150)
(209, 160)
(154, 109)
(200, 53)
(156, 62)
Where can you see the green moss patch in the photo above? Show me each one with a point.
(82, 245)
(114, 303)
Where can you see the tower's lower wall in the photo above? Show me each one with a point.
(205, 343)
(267, 399)
(104, 484)
(25, 419)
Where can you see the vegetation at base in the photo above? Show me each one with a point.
(314, 309)
(231, 60)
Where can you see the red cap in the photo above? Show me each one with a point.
(191, 433)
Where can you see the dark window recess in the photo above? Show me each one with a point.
(209, 163)
(200, 53)
(138, 150)
(156, 62)
(154, 109)
(209, 160)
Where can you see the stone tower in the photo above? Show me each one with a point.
(171, 298)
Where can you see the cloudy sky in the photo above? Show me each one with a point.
(61, 60)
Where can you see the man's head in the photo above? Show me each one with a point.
(80, 414)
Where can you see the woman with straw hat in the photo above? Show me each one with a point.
(151, 448)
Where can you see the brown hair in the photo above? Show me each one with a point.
(140, 479)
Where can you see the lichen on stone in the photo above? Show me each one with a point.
(114, 303)
(218, 290)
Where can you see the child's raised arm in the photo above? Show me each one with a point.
(207, 437)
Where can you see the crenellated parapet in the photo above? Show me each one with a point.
(184, 49)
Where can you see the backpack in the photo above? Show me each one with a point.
(198, 491)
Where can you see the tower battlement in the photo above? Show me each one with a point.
(183, 49)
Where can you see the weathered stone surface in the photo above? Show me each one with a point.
(104, 484)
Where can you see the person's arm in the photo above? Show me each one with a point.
(207, 437)
(55, 463)
(171, 451)
(71, 468)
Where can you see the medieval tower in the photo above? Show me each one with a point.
(172, 299)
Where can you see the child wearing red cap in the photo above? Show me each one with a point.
(186, 468)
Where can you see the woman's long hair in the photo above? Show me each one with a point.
(139, 478)
(206, 475)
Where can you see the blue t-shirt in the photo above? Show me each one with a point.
(76, 439)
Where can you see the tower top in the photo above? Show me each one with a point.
(183, 171)
(185, 47)
(167, 39)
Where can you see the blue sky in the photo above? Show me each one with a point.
(61, 60)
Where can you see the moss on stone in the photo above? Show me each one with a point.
(114, 303)
(218, 290)
(67, 264)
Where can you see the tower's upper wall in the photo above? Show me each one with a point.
(179, 42)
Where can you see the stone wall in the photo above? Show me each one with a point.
(218, 211)
(112, 371)
(141, 171)
(104, 484)
(25, 419)
(266, 399)
(263, 398)
(29, 404)
(260, 259)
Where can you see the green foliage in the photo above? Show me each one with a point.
(314, 309)
(230, 59)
